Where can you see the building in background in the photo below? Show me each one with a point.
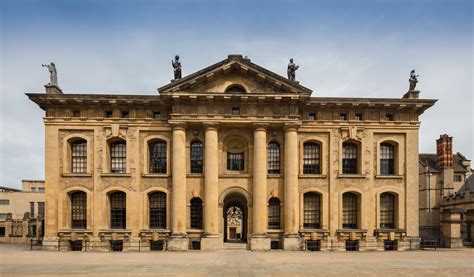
(444, 178)
(22, 212)
(129, 171)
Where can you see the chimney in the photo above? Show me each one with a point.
(444, 151)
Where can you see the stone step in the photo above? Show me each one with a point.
(235, 246)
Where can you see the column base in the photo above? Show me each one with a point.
(260, 243)
(50, 243)
(453, 243)
(292, 243)
(211, 243)
(178, 243)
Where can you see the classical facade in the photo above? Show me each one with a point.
(163, 171)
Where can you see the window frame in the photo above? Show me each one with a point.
(350, 161)
(118, 157)
(196, 213)
(311, 212)
(118, 214)
(158, 164)
(157, 210)
(78, 208)
(312, 163)
(387, 163)
(78, 156)
(274, 213)
(196, 156)
(273, 158)
(350, 210)
(234, 163)
(388, 210)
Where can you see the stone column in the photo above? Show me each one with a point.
(259, 239)
(451, 228)
(211, 239)
(291, 239)
(178, 240)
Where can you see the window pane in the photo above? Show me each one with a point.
(311, 158)
(274, 213)
(79, 156)
(387, 211)
(387, 165)
(196, 213)
(78, 210)
(196, 157)
(349, 212)
(273, 158)
(157, 201)
(349, 158)
(118, 157)
(312, 211)
(235, 161)
(118, 210)
(157, 157)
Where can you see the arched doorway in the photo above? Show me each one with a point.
(235, 214)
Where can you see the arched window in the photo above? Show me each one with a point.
(196, 213)
(350, 211)
(78, 210)
(387, 159)
(118, 210)
(79, 156)
(118, 156)
(235, 89)
(273, 213)
(387, 211)
(196, 157)
(157, 151)
(157, 202)
(273, 149)
(312, 210)
(349, 158)
(311, 158)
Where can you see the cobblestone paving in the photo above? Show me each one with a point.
(17, 260)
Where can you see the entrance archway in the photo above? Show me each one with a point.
(235, 214)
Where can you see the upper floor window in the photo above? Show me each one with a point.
(312, 116)
(41, 209)
(125, 114)
(32, 209)
(79, 156)
(157, 156)
(235, 161)
(76, 113)
(387, 210)
(196, 213)
(273, 213)
(359, 116)
(343, 116)
(78, 210)
(196, 157)
(118, 157)
(109, 113)
(273, 149)
(387, 159)
(157, 115)
(235, 89)
(4, 202)
(118, 210)
(457, 178)
(349, 158)
(312, 210)
(311, 158)
(157, 201)
(389, 117)
(350, 210)
(235, 111)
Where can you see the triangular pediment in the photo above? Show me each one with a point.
(235, 71)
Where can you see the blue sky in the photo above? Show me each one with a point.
(344, 49)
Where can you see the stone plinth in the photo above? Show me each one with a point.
(451, 228)
(260, 244)
(292, 244)
(412, 94)
(211, 243)
(178, 243)
(52, 89)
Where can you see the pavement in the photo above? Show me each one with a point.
(18, 260)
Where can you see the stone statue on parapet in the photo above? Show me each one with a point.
(53, 74)
(413, 80)
(177, 67)
(292, 67)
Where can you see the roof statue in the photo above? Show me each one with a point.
(177, 67)
(292, 67)
(53, 74)
(413, 80)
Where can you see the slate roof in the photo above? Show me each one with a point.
(431, 160)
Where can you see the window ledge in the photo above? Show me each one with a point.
(314, 231)
(155, 175)
(273, 231)
(74, 231)
(381, 230)
(123, 175)
(361, 176)
(76, 175)
(320, 176)
(388, 176)
(194, 231)
(108, 231)
(274, 175)
(155, 231)
(195, 175)
(351, 231)
(234, 175)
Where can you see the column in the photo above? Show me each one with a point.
(291, 239)
(259, 239)
(178, 240)
(211, 239)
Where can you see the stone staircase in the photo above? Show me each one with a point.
(235, 246)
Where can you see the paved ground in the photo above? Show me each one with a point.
(18, 260)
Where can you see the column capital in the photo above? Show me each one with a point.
(211, 125)
(260, 126)
(291, 126)
(178, 125)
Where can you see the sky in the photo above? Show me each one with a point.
(344, 49)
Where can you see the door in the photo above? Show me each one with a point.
(232, 231)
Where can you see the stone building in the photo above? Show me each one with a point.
(444, 185)
(22, 212)
(153, 171)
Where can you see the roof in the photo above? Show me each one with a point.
(468, 185)
(7, 189)
(431, 161)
